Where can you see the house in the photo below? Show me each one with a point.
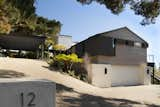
(114, 58)
(22, 42)
(64, 40)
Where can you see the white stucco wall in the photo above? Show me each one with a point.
(119, 75)
(145, 77)
(99, 78)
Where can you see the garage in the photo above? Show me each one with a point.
(122, 75)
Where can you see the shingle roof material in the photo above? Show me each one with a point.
(123, 33)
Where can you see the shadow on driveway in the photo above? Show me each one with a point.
(10, 74)
(86, 100)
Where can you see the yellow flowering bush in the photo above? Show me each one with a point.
(65, 62)
(59, 47)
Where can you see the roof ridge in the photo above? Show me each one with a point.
(113, 30)
(128, 30)
(135, 34)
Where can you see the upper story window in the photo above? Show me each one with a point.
(126, 42)
(113, 42)
(129, 43)
(144, 45)
(120, 42)
(137, 44)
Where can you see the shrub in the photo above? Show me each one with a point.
(66, 61)
(70, 64)
(30, 55)
(59, 47)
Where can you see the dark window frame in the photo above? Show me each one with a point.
(105, 71)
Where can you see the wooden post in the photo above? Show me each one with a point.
(42, 51)
(19, 53)
(37, 54)
(153, 74)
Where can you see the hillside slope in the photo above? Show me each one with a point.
(74, 93)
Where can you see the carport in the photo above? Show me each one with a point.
(23, 42)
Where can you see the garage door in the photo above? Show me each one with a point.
(123, 75)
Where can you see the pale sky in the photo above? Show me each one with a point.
(83, 21)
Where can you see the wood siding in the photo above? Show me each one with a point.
(95, 46)
(121, 46)
(125, 34)
(125, 55)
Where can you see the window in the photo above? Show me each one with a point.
(144, 45)
(137, 44)
(127, 42)
(113, 42)
(119, 41)
(105, 71)
(147, 71)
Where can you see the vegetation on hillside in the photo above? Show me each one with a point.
(66, 64)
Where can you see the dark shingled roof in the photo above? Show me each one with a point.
(123, 33)
(21, 42)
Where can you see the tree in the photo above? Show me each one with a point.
(149, 9)
(20, 16)
(16, 15)
(47, 27)
(6, 16)
(26, 20)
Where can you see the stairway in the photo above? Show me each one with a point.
(156, 78)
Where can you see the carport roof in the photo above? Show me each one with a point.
(20, 41)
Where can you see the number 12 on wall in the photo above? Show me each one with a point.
(29, 97)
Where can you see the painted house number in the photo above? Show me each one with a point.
(30, 96)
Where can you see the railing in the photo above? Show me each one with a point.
(157, 77)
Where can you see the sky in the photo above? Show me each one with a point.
(82, 21)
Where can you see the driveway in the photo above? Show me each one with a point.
(75, 93)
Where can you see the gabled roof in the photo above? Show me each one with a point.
(123, 33)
